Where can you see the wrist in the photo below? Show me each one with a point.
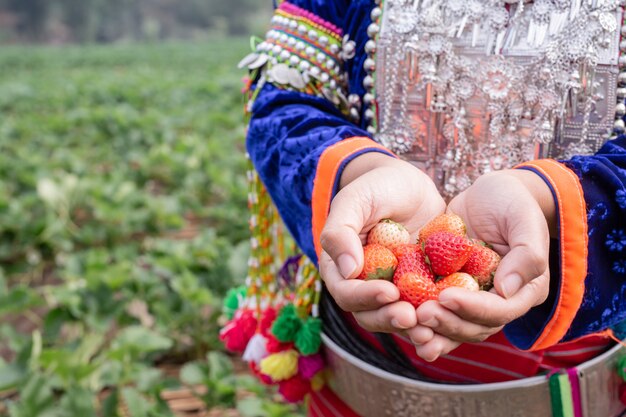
(542, 194)
(363, 164)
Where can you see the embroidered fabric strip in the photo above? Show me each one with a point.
(302, 52)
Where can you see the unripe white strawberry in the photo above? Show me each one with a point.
(389, 234)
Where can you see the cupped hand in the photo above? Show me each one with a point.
(514, 212)
(374, 187)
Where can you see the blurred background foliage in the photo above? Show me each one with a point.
(102, 21)
(123, 217)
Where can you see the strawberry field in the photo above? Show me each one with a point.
(122, 224)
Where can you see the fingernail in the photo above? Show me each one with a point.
(346, 264)
(384, 298)
(448, 302)
(395, 323)
(511, 284)
(430, 321)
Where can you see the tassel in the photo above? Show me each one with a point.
(309, 366)
(238, 332)
(280, 366)
(233, 300)
(287, 325)
(295, 389)
(309, 339)
(256, 349)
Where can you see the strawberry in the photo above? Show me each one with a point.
(482, 264)
(447, 222)
(378, 263)
(414, 261)
(458, 279)
(401, 251)
(415, 288)
(388, 233)
(414, 278)
(447, 252)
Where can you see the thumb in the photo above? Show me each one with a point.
(529, 240)
(340, 237)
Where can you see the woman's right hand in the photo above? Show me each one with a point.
(373, 187)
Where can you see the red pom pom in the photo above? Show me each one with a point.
(622, 393)
(269, 315)
(294, 389)
(238, 332)
(262, 377)
(275, 346)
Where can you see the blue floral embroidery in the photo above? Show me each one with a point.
(619, 267)
(616, 240)
(620, 198)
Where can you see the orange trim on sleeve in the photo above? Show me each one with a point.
(324, 182)
(572, 211)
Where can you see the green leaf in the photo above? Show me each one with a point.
(251, 407)
(137, 405)
(11, 376)
(220, 366)
(137, 339)
(110, 404)
(193, 373)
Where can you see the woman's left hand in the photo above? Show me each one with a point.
(513, 211)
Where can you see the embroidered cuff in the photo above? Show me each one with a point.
(546, 325)
(329, 169)
(302, 52)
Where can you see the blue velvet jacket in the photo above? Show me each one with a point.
(289, 132)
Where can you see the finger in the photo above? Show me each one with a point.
(492, 310)
(388, 319)
(439, 345)
(340, 236)
(442, 321)
(418, 335)
(355, 294)
(528, 236)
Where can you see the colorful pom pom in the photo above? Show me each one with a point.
(287, 324)
(268, 318)
(238, 332)
(233, 299)
(309, 366)
(280, 366)
(622, 393)
(294, 389)
(309, 339)
(256, 349)
(318, 381)
(275, 346)
(263, 378)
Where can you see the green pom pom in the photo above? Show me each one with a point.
(231, 301)
(621, 367)
(309, 339)
(287, 324)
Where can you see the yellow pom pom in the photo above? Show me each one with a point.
(318, 381)
(281, 365)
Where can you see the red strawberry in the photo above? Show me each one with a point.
(447, 252)
(482, 264)
(414, 261)
(415, 288)
(401, 251)
(458, 279)
(414, 278)
(447, 222)
(378, 262)
(388, 233)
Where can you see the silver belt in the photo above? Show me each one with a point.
(372, 392)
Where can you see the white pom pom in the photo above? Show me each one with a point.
(256, 349)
